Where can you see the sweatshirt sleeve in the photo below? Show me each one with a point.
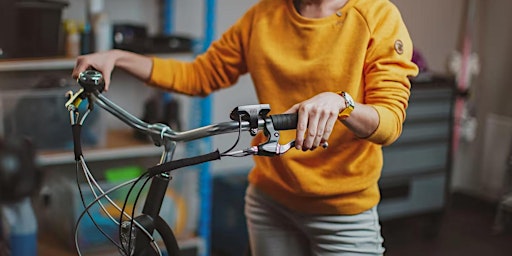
(219, 67)
(388, 67)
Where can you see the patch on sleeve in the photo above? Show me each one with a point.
(399, 46)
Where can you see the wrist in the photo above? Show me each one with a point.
(121, 58)
(117, 54)
(349, 105)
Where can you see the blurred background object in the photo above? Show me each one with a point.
(19, 180)
(31, 28)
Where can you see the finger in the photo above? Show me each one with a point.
(302, 125)
(292, 110)
(321, 129)
(312, 129)
(106, 77)
(298, 139)
(329, 127)
(80, 67)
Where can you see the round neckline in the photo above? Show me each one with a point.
(317, 21)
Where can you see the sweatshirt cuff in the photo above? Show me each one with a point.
(387, 131)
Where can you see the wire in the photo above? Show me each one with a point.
(132, 219)
(105, 195)
(238, 137)
(88, 213)
(90, 178)
(127, 250)
(86, 114)
(91, 204)
(109, 199)
(241, 154)
(89, 174)
(123, 210)
(134, 206)
(120, 227)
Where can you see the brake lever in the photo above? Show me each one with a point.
(268, 149)
(280, 149)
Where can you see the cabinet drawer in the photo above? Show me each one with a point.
(425, 194)
(419, 158)
(429, 110)
(427, 93)
(424, 131)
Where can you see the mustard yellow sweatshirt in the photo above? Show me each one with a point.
(364, 49)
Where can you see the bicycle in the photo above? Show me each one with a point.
(135, 234)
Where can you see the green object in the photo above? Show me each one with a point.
(121, 174)
(118, 175)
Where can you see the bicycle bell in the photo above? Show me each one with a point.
(91, 81)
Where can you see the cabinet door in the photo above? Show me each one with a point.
(7, 28)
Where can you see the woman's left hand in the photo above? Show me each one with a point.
(316, 120)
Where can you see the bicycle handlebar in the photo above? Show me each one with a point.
(245, 118)
(279, 121)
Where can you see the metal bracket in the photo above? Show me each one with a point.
(250, 113)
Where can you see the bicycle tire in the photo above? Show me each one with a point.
(170, 242)
(168, 237)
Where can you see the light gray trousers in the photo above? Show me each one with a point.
(276, 231)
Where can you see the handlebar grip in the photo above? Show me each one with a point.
(285, 121)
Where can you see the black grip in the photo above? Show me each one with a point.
(176, 164)
(285, 121)
(77, 145)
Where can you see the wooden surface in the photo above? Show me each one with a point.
(49, 246)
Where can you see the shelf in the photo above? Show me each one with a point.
(120, 144)
(36, 64)
(47, 159)
(45, 64)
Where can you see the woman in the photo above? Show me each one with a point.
(343, 66)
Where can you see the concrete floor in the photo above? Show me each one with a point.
(465, 229)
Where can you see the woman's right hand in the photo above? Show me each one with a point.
(103, 62)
